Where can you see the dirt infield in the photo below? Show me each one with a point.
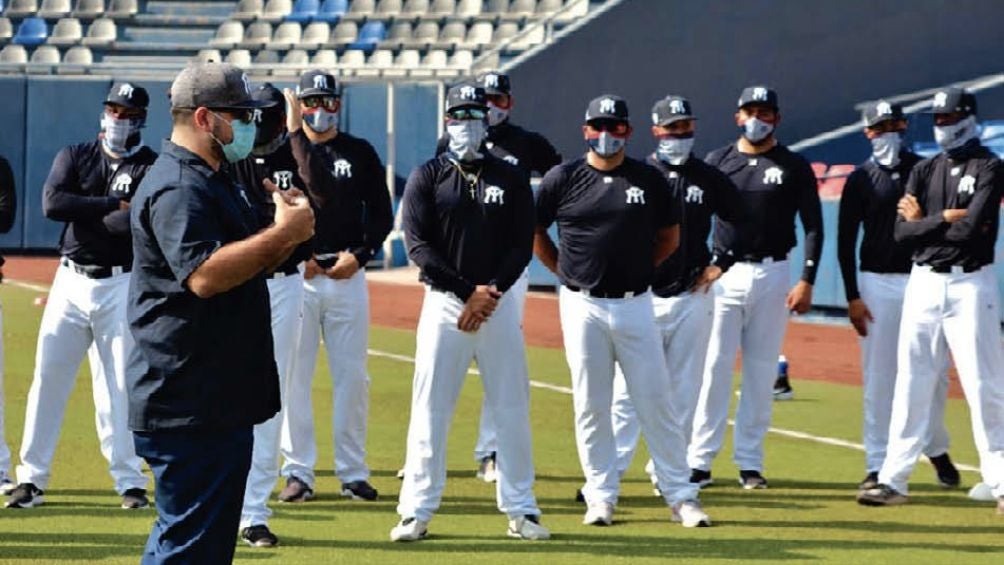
(815, 351)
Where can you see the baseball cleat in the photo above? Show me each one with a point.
(135, 498)
(752, 480)
(981, 492)
(486, 469)
(690, 514)
(948, 475)
(579, 497)
(702, 478)
(359, 490)
(882, 495)
(870, 481)
(782, 389)
(599, 514)
(25, 495)
(259, 536)
(409, 529)
(296, 491)
(528, 527)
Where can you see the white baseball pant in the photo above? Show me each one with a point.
(750, 314)
(81, 312)
(684, 323)
(338, 311)
(957, 312)
(883, 294)
(286, 301)
(443, 354)
(599, 332)
(487, 442)
(4, 450)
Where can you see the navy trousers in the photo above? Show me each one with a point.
(199, 476)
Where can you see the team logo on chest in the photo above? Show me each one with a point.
(283, 179)
(122, 184)
(342, 168)
(695, 195)
(494, 195)
(635, 195)
(773, 175)
(967, 184)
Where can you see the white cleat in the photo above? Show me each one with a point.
(599, 514)
(528, 527)
(690, 514)
(650, 469)
(982, 492)
(409, 529)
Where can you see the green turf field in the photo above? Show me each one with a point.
(808, 514)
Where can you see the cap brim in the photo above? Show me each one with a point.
(674, 119)
(607, 117)
(316, 92)
(496, 92)
(247, 105)
(124, 103)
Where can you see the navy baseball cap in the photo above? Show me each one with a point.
(671, 109)
(495, 82)
(129, 95)
(465, 94)
(877, 112)
(758, 94)
(607, 107)
(953, 99)
(269, 94)
(212, 85)
(317, 83)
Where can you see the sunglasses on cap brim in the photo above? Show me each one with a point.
(327, 102)
(468, 113)
(616, 127)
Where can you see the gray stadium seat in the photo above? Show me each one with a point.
(576, 10)
(88, 9)
(497, 7)
(400, 33)
(379, 63)
(522, 8)
(434, 58)
(257, 34)
(344, 33)
(442, 8)
(353, 58)
(21, 8)
(228, 34)
(122, 8)
(469, 8)
(504, 31)
(266, 57)
(239, 57)
(208, 56)
(315, 35)
(389, 8)
(296, 57)
(425, 33)
(276, 10)
(479, 34)
(287, 35)
(452, 33)
(324, 58)
(78, 55)
(15, 54)
(361, 9)
(67, 31)
(545, 7)
(248, 10)
(6, 29)
(461, 59)
(54, 9)
(405, 62)
(102, 31)
(45, 55)
(415, 8)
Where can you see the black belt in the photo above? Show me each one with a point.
(758, 258)
(285, 272)
(601, 293)
(94, 271)
(954, 268)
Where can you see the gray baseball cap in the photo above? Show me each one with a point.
(213, 85)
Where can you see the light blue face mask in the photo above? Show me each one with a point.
(243, 140)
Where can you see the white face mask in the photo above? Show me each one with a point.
(957, 135)
(117, 133)
(674, 150)
(756, 130)
(466, 137)
(885, 148)
(496, 115)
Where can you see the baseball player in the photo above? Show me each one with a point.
(950, 214)
(751, 302)
(272, 159)
(869, 199)
(684, 307)
(89, 187)
(617, 219)
(534, 154)
(8, 209)
(468, 223)
(354, 216)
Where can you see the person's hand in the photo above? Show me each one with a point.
(953, 215)
(290, 195)
(799, 299)
(311, 269)
(294, 113)
(909, 208)
(346, 266)
(123, 204)
(480, 305)
(860, 316)
(708, 277)
(293, 215)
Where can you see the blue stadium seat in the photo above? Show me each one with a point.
(32, 31)
(304, 11)
(331, 11)
(369, 35)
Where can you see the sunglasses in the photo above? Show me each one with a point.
(239, 114)
(502, 101)
(615, 127)
(327, 102)
(467, 114)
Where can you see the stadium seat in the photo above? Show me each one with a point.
(248, 10)
(6, 29)
(415, 8)
(519, 9)
(257, 34)
(287, 35)
(434, 59)
(315, 35)
(266, 57)
(574, 9)
(479, 34)
(52, 9)
(78, 55)
(88, 9)
(469, 8)
(101, 32)
(548, 7)
(120, 9)
(353, 58)
(239, 57)
(483, 63)
(400, 33)
(380, 61)
(426, 33)
(32, 31)
(389, 8)
(504, 31)
(45, 55)
(369, 35)
(497, 7)
(292, 63)
(530, 38)
(21, 8)
(442, 8)
(67, 31)
(208, 56)
(344, 33)
(331, 11)
(360, 9)
(228, 34)
(304, 11)
(13, 54)
(452, 34)
(407, 61)
(324, 58)
(276, 10)
(461, 59)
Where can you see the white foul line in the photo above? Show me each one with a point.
(27, 285)
(779, 431)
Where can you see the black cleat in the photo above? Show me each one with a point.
(870, 481)
(25, 495)
(135, 498)
(752, 480)
(702, 478)
(259, 536)
(782, 389)
(882, 495)
(296, 491)
(948, 475)
(359, 490)
(579, 497)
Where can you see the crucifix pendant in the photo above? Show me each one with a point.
(473, 190)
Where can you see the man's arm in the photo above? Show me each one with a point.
(546, 208)
(913, 229)
(849, 217)
(544, 154)
(810, 211)
(61, 198)
(982, 208)
(520, 237)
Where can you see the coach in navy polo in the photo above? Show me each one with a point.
(203, 373)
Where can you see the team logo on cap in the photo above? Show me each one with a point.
(256, 115)
(694, 194)
(760, 93)
(283, 179)
(677, 107)
(126, 90)
(492, 80)
(967, 184)
(883, 109)
(320, 81)
(635, 195)
(468, 93)
(494, 195)
(773, 175)
(940, 100)
(608, 106)
(342, 168)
